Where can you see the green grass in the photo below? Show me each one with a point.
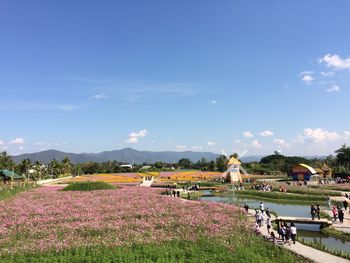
(311, 191)
(335, 187)
(88, 186)
(9, 192)
(243, 248)
(283, 196)
(336, 233)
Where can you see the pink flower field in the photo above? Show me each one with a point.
(48, 219)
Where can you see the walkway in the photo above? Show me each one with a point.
(345, 226)
(306, 251)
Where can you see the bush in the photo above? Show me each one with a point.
(88, 186)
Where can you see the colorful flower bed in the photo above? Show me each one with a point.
(189, 176)
(108, 178)
(47, 219)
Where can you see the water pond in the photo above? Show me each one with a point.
(310, 233)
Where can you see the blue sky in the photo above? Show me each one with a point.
(255, 76)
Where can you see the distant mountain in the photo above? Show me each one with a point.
(126, 155)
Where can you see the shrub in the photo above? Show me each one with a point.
(88, 186)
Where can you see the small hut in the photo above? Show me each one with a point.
(7, 175)
(302, 172)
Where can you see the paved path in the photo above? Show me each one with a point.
(345, 226)
(306, 251)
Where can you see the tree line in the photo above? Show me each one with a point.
(271, 164)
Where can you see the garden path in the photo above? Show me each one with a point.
(306, 251)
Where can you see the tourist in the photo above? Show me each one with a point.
(287, 234)
(293, 232)
(246, 207)
(178, 193)
(257, 230)
(345, 204)
(318, 210)
(269, 225)
(174, 192)
(268, 213)
(283, 232)
(329, 202)
(262, 207)
(334, 212)
(188, 196)
(341, 215)
(313, 212)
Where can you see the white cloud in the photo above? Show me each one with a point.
(336, 62)
(181, 147)
(320, 135)
(213, 102)
(347, 135)
(334, 88)
(247, 134)
(281, 142)
(21, 148)
(266, 133)
(237, 141)
(67, 107)
(18, 141)
(211, 143)
(1, 142)
(328, 74)
(197, 147)
(256, 144)
(100, 96)
(307, 79)
(134, 136)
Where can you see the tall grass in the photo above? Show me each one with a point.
(8, 191)
(88, 186)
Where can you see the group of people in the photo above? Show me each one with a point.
(338, 213)
(285, 231)
(262, 187)
(315, 211)
(172, 192)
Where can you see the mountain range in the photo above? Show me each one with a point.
(127, 155)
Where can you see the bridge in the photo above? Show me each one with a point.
(303, 220)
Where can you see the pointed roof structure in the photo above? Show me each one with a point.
(233, 160)
(326, 168)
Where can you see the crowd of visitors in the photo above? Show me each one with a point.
(262, 187)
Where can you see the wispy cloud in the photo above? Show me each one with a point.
(100, 96)
(37, 106)
(210, 143)
(266, 133)
(134, 136)
(334, 88)
(213, 102)
(180, 147)
(247, 134)
(335, 61)
(18, 141)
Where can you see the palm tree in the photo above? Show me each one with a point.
(6, 161)
(66, 166)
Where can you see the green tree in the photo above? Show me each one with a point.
(6, 161)
(221, 163)
(66, 166)
(24, 166)
(185, 163)
(55, 168)
(343, 155)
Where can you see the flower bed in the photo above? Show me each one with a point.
(46, 219)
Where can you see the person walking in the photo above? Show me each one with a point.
(262, 207)
(268, 213)
(334, 212)
(341, 215)
(293, 232)
(345, 204)
(313, 212)
(246, 207)
(318, 210)
(268, 224)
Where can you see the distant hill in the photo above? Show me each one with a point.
(126, 155)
